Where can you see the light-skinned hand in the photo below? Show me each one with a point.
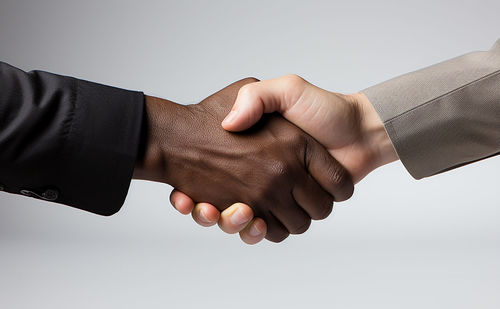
(347, 125)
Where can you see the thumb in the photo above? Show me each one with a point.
(255, 99)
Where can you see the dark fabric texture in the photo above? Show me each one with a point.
(67, 140)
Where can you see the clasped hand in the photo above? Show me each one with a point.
(232, 154)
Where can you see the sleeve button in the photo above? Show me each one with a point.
(50, 195)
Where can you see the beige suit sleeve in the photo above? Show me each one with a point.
(443, 116)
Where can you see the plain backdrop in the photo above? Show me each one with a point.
(398, 243)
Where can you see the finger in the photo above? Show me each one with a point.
(329, 173)
(268, 96)
(205, 214)
(234, 218)
(292, 216)
(254, 232)
(183, 203)
(276, 231)
(313, 199)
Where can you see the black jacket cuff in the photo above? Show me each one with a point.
(102, 146)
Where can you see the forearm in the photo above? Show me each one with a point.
(377, 143)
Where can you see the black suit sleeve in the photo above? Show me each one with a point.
(67, 140)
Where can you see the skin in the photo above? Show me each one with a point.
(286, 176)
(347, 125)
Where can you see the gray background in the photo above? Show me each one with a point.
(398, 243)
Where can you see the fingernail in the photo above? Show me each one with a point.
(254, 231)
(203, 216)
(238, 217)
(230, 117)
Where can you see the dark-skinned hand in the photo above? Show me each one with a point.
(281, 172)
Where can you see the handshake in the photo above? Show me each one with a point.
(262, 158)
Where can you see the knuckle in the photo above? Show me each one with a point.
(341, 181)
(246, 91)
(337, 175)
(294, 140)
(279, 169)
(246, 88)
(298, 138)
(293, 81)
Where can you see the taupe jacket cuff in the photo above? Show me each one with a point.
(443, 116)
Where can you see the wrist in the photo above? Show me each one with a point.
(376, 141)
(158, 119)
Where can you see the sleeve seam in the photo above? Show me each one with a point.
(70, 121)
(496, 72)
